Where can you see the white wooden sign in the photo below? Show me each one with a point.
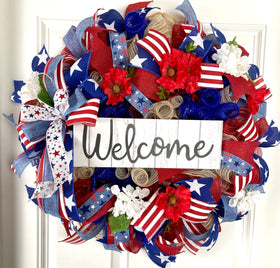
(149, 143)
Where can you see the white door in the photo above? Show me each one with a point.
(29, 238)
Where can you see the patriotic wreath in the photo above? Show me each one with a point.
(144, 65)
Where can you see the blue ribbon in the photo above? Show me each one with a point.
(21, 162)
(135, 23)
(254, 71)
(263, 167)
(209, 107)
(95, 231)
(210, 97)
(50, 78)
(218, 35)
(262, 111)
(187, 9)
(119, 50)
(73, 38)
(194, 237)
(139, 101)
(271, 137)
(214, 233)
(76, 100)
(228, 213)
(51, 204)
(111, 19)
(10, 118)
(72, 43)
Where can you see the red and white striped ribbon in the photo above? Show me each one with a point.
(196, 229)
(86, 114)
(260, 84)
(198, 211)
(211, 76)
(62, 205)
(248, 130)
(187, 28)
(150, 218)
(192, 246)
(156, 44)
(76, 239)
(240, 182)
(29, 145)
(150, 221)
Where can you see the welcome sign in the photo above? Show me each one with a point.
(149, 143)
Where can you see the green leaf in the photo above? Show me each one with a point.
(43, 94)
(190, 47)
(167, 227)
(118, 224)
(233, 42)
(130, 71)
(162, 92)
(247, 74)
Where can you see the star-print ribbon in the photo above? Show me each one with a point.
(55, 136)
(119, 50)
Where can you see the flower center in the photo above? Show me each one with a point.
(172, 200)
(171, 72)
(116, 89)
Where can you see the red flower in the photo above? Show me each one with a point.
(180, 70)
(115, 85)
(175, 202)
(253, 102)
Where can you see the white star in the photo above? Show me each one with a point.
(69, 202)
(263, 139)
(75, 67)
(195, 186)
(96, 85)
(137, 62)
(69, 132)
(257, 161)
(276, 143)
(42, 57)
(198, 41)
(69, 156)
(213, 242)
(163, 258)
(110, 26)
(119, 47)
(266, 173)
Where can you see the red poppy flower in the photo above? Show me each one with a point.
(115, 85)
(180, 70)
(175, 202)
(253, 102)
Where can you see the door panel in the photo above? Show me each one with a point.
(29, 238)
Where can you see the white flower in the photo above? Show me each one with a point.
(129, 200)
(245, 200)
(31, 89)
(230, 61)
